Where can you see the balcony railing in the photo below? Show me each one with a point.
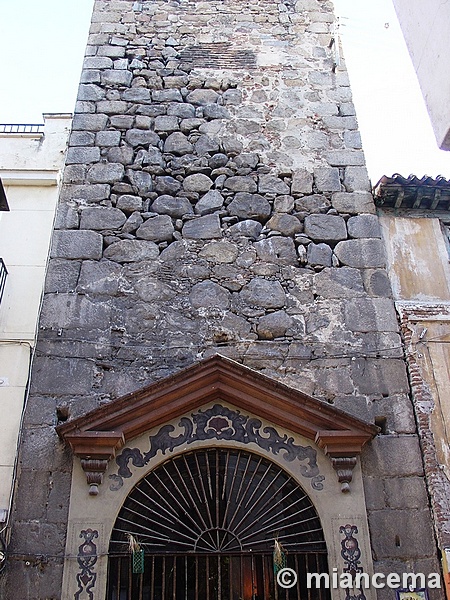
(21, 128)
(3, 274)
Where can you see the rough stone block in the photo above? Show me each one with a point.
(175, 207)
(106, 173)
(207, 294)
(396, 409)
(343, 158)
(83, 155)
(60, 376)
(376, 283)
(107, 138)
(241, 184)
(315, 203)
(82, 138)
(327, 179)
(116, 77)
(274, 325)
(129, 204)
(371, 314)
(286, 224)
(32, 506)
(203, 228)
(339, 283)
(97, 62)
(99, 278)
(77, 244)
(156, 229)
(382, 377)
(123, 155)
(74, 311)
(168, 95)
(209, 203)
(220, 252)
(198, 182)
(142, 137)
(353, 203)
(283, 204)
(249, 206)
(66, 216)
(361, 253)
(268, 184)
(127, 251)
(374, 493)
(319, 254)
(62, 276)
(90, 91)
(406, 492)
(327, 228)
(167, 123)
(111, 51)
(88, 122)
(112, 107)
(392, 456)
(352, 139)
(364, 226)
(201, 97)
(277, 250)
(122, 122)
(137, 94)
(75, 174)
(87, 193)
(248, 228)
(58, 497)
(263, 293)
(405, 533)
(100, 218)
(356, 179)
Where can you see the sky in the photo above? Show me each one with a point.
(43, 41)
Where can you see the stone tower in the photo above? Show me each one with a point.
(215, 202)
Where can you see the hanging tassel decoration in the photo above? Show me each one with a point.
(279, 557)
(137, 554)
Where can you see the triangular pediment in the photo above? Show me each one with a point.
(98, 435)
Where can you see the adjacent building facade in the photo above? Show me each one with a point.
(425, 28)
(219, 386)
(414, 217)
(31, 162)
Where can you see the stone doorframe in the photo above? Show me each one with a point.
(217, 402)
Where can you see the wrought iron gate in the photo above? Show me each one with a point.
(207, 522)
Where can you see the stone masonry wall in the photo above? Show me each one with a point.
(215, 199)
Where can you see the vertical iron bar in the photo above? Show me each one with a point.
(163, 579)
(119, 573)
(174, 591)
(152, 581)
(196, 578)
(130, 579)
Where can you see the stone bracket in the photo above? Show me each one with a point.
(344, 465)
(343, 448)
(95, 449)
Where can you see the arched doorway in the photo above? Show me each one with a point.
(207, 521)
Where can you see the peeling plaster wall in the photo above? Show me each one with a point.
(211, 207)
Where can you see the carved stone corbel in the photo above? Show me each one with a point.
(344, 465)
(95, 449)
(343, 448)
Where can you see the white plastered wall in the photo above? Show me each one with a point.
(30, 168)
